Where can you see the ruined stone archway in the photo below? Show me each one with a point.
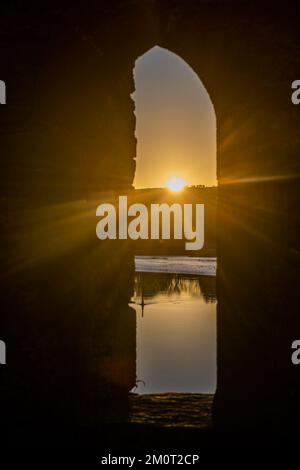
(79, 137)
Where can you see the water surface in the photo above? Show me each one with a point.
(176, 332)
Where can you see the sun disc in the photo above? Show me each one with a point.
(175, 184)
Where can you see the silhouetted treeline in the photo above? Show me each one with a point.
(151, 284)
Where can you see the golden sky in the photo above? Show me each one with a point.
(175, 122)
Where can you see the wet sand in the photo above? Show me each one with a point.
(172, 409)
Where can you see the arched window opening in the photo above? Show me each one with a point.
(175, 295)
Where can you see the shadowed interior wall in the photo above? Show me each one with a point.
(70, 135)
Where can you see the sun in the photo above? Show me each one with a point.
(175, 184)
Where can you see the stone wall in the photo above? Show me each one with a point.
(67, 136)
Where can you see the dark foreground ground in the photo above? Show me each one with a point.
(172, 410)
(159, 424)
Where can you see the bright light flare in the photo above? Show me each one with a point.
(175, 184)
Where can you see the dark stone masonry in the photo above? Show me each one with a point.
(67, 142)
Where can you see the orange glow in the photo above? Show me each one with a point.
(175, 122)
(176, 184)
